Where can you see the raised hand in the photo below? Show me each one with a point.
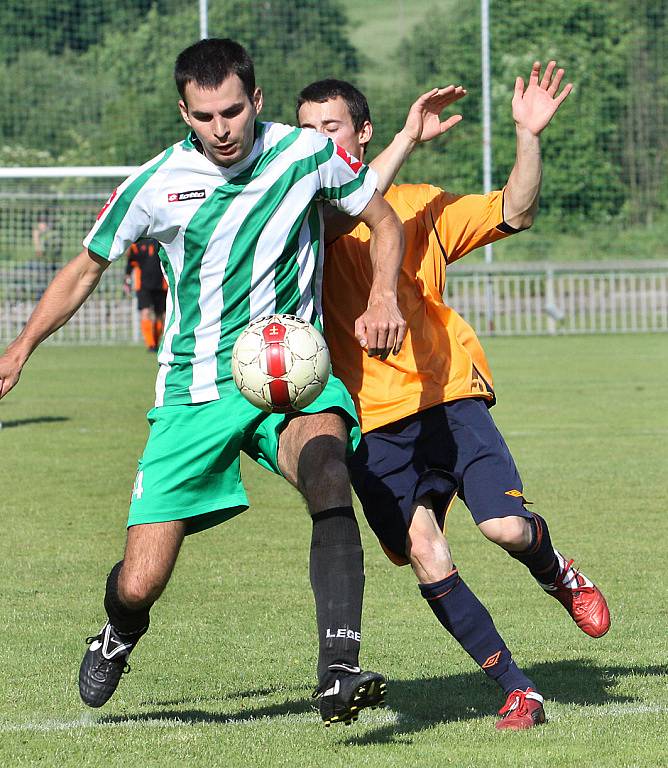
(423, 122)
(534, 107)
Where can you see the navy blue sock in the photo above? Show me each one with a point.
(469, 622)
(539, 556)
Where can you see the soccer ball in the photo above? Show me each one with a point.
(280, 363)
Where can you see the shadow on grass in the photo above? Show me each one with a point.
(35, 420)
(422, 703)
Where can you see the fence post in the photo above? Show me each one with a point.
(550, 303)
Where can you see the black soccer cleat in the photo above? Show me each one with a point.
(346, 692)
(103, 664)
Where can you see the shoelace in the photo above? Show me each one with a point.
(576, 573)
(105, 664)
(518, 703)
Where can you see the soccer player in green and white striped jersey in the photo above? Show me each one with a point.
(236, 209)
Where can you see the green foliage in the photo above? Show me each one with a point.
(582, 147)
(85, 83)
(54, 27)
(116, 103)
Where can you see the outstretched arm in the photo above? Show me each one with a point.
(381, 329)
(423, 123)
(533, 109)
(66, 293)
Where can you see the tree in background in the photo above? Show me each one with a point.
(611, 131)
(112, 99)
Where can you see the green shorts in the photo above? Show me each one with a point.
(191, 469)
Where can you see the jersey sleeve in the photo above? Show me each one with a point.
(345, 182)
(466, 222)
(126, 216)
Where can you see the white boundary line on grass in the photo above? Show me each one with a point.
(383, 717)
(89, 720)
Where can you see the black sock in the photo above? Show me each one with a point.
(469, 622)
(539, 557)
(337, 579)
(124, 620)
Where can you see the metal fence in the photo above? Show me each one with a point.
(534, 299)
(528, 299)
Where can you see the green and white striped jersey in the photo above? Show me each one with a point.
(238, 242)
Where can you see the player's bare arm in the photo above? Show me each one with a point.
(381, 329)
(533, 109)
(423, 123)
(66, 293)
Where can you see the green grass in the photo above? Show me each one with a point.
(224, 676)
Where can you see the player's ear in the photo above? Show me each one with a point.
(258, 100)
(184, 112)
(365, 134)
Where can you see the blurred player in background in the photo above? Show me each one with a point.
(234, 208)
(143, 274)
(427, 432)
(47, 239)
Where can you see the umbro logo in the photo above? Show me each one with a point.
(179, 197)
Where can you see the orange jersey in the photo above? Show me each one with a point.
(441, 358)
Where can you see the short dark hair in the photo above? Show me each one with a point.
(209, 62)
(324, 90)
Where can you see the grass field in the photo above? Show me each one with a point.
(224, 676)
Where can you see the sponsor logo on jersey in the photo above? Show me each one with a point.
(517, 494)
(355, 165)
(107, 204)
(179, 197)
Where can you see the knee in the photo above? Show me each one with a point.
(330, 477)
(139, 591)
(511, 533)
(430, 558)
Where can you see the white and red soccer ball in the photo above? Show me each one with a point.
(280, 363)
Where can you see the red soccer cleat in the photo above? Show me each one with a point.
(582, 599)
(522, 710)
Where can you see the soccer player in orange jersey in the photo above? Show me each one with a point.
(143, 269)
(428, 433)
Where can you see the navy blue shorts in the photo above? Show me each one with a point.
(452, 449)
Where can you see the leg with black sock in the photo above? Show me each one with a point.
(125, 621)
(583, 600)
(469, 622)
(133, 585)
(107, 656)
(311, 455)
(540, 556)
(337, 580)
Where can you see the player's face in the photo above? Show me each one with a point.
(223, 119)
(333, 119)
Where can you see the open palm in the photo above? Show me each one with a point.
(534, 107)
(423, 122)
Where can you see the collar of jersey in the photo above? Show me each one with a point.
(192, 143)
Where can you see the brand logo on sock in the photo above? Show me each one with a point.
(517, 494)
(343, 634)
(492, 660)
